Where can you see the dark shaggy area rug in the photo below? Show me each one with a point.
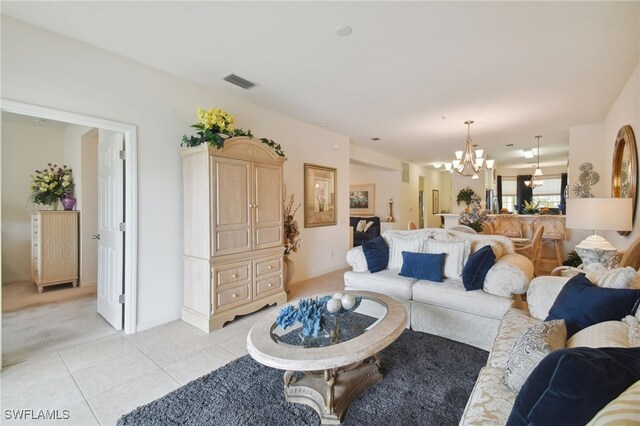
(427, 381)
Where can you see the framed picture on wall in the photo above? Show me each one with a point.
(319, 196)
(362, 200)
(435, 196)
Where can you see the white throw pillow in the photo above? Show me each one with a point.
(529, 349)
(457, 253)
(608, 334)
(613, 278)
(360, 226)
(399, 244)
(368, 225)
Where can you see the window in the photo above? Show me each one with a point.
(509, 193)
(548, 194)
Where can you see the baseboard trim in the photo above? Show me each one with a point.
(12, 280)
(141, 326)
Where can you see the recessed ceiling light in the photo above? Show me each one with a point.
(323, 124)
(509, 144)
(375, 139)
(527, 153)
(344, 31)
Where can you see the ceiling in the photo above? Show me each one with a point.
(410, 73)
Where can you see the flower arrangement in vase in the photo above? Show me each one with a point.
(474, 216)
(51, 184)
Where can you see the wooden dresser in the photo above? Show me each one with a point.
(54, 247)
(233, 230)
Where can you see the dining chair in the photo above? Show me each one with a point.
(554, 234)
(507, 225)
(532, 250)
(411, 225)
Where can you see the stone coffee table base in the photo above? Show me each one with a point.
(330, 392)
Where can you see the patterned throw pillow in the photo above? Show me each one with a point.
(400, 244)
(529, 349)
(368, 225)
(360, 226)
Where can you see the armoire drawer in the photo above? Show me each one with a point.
(231, 274)
(268, 266)
(268, 285)
(231, 297)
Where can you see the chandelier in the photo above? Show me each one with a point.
(470, 161)
(534, 183)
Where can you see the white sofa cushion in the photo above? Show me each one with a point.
(542, 293)
(513, 324)
(357, 260)
(510, 275)
(457, 253)
(386, 282)
(414, 244)
(452, 294)
(613, 278)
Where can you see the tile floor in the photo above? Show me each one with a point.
(99, 374)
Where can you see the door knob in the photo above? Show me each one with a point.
(95, 237)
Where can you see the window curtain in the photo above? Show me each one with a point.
(499, 189)
(563, 193)
(524, 192)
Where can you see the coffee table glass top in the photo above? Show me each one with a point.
(336, 328)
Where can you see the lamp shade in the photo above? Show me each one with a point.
(599, 214)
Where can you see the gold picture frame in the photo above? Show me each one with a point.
(320, 185)
(362, 199)
(435, 200)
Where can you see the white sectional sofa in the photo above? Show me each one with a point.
(491, 401)
(447, 309)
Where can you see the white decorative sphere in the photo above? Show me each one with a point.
(333, 306)
(348, 301)
(337, 296)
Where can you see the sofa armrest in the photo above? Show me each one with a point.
(542, 293)
(510, 275)
(356, 259)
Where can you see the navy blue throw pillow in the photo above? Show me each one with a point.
(569, 386)
(476, 268)
(422, 266)
(377, 254)
(581, 304)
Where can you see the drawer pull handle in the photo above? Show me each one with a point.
(270, 267)
(234, 276)
(270, 285)
(234, 295)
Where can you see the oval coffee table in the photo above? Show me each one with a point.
(328, 372)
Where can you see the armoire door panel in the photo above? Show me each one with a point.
(231, 205)
(268, 205)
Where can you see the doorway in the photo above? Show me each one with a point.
(127, 227)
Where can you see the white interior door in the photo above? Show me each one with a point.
(110, 216)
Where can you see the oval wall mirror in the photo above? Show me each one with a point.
(625, 171)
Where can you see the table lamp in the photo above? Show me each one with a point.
(598, 214)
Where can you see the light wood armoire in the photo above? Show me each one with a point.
(54, 247)
(233, 230)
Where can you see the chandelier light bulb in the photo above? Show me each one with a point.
(458, 155)
(475, 176)
(489, 164)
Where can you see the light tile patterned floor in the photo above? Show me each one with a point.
(78, 363)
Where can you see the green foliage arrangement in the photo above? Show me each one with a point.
(466, 195)
(531, 207)
(215, 126)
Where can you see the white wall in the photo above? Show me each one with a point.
(87, 195)
(87, 80)
(595, 142)
(25, 149)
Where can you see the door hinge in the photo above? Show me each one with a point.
(123, 155)
(121, 298)
(122, 226)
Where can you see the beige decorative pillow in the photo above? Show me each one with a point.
(633, 332)
(495, 247)
(368, 225)
(400, 244)
(608, 334)
(613, 278)
(360, 226)
(457, 253)
(529, 349)
(622, 411)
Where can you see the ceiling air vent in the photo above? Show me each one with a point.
(238, 81)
